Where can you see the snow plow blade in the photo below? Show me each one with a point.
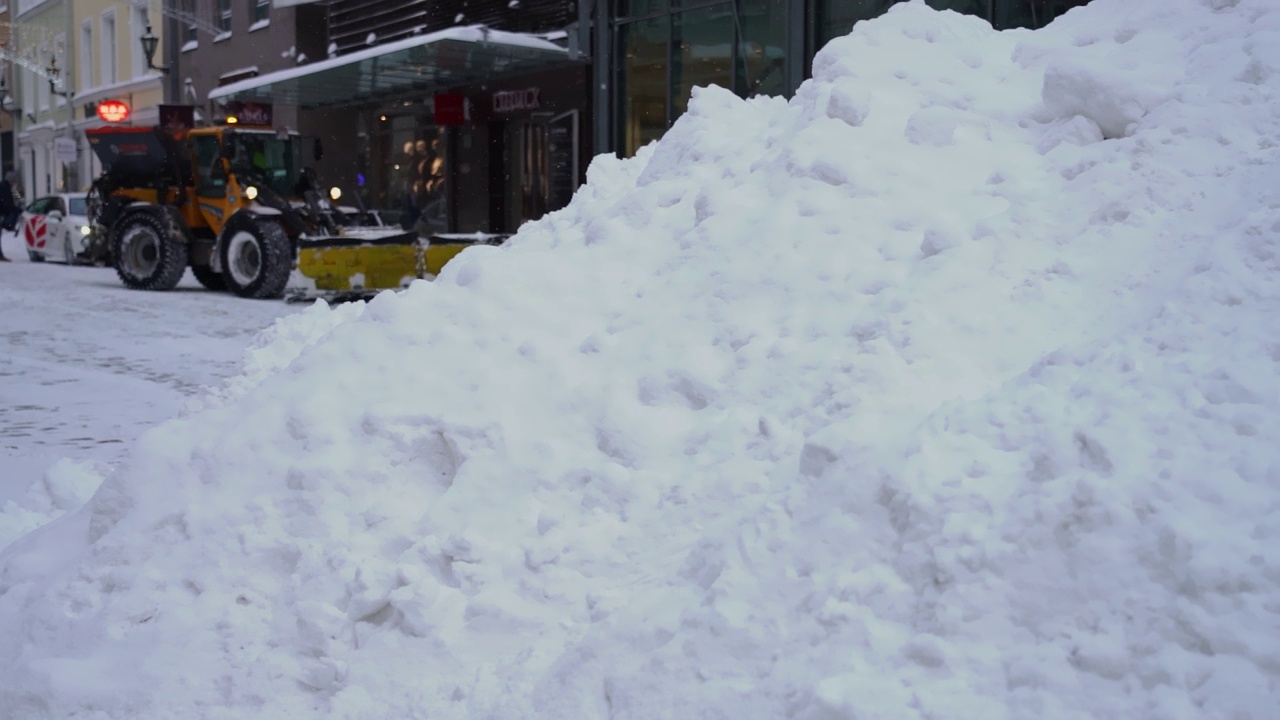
(361, 264)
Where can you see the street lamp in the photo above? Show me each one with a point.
(149, 42)
(68, 166)
(54, 72)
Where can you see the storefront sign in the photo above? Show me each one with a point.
(451, 109)
(249, 113)
(113, 111)
(65, 149)
(516, 100)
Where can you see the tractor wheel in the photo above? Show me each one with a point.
(147, 256)
(208, 277)
(257, 258)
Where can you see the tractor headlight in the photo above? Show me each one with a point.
(85, 230)
(251, 192)
(335, 192)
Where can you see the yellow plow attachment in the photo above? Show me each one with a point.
(362, 264)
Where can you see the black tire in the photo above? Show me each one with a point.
(148, 256)
(257, 257)
(209, 277)
(34, 256)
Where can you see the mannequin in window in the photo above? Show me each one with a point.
(404, 184)
(430, 172)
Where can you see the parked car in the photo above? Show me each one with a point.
(56, 227)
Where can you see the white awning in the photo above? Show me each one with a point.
(449, 58)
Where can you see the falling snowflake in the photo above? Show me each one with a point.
(514, 4)
(302, 58)
(333, 49)
(371, 38)
(458, 18)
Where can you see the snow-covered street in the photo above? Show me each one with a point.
(88, 364)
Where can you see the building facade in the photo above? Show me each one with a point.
(9, 108)
(65, 58)
(39, 35)
(107, 62)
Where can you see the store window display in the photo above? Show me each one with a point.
(421, 184)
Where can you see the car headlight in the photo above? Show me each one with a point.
(335, 192)
(85, 230)
(251, 192)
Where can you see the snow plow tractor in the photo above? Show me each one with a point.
(233, 203)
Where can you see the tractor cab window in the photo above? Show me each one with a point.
(275, 160)
(211, 180)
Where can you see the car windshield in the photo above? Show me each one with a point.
(76, 206)
(278, 159)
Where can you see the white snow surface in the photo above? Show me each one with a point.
(946, 389)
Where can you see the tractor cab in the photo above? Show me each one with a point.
(264, 158)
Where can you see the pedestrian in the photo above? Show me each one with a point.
(10, 207)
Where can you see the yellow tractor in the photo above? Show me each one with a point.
(237, 206)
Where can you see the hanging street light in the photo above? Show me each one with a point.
(149, 42)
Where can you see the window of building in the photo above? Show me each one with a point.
(761, 62)
(642, 84)
(222, 17)
(833, 18)
(86, 55)
(139, 21)
(666, 49)
(187, 11)
(259, 11)
(702, 53)
(107, 39)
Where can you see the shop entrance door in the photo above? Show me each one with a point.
(542, 166)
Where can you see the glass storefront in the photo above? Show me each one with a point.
(665, 49)
(833, 18)
(643, 81)
(661, 49)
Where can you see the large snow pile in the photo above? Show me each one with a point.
(947, 389)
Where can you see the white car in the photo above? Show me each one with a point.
(55, 227)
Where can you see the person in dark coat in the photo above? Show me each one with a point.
(10, 209)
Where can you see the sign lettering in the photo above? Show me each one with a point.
(249, 113)
(113, 110)
(516, 100)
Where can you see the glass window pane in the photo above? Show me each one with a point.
(642, 8)
(702, 52)
(643, 82)
(966, 7)
(1030, 13)
(762, 50)
(834, 18)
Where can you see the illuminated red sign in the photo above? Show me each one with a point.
(113, 111)
(249, 113)
(450, 109)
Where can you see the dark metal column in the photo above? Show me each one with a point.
(602, 108)
(797, 46)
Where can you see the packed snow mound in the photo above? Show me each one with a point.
(947, 389)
